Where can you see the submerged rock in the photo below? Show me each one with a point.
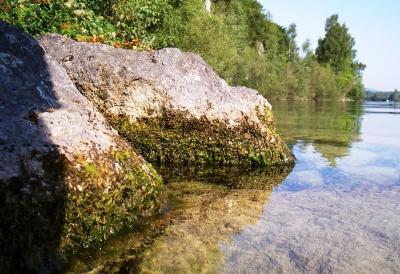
(208, 206)
(171, 105)
(66, 178)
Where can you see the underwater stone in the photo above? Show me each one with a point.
(171, 105)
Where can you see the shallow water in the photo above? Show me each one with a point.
(336, 211)
(339, 209)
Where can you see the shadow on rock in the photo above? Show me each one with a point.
(67, 180)
(32, 193)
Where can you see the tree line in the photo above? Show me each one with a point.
(236, 37)
(382, 95)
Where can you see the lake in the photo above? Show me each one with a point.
(336, 211)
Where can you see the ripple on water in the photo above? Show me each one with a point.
(324, 230)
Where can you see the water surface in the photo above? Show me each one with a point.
(336, 211)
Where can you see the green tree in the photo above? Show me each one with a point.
(306, 48)
(396, 96)
(293, 49)
(337, 51)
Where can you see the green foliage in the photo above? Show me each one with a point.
(382, 95)
(145, 20)
(216, 37)
(396, 96)
(118, 23)
(336, 48)
(72, 19)
(240, 42)
(336, 51)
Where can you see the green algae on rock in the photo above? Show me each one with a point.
(67, 180)
(171, 105)
(81, 210)
(176, 139)
(110, 199)
(207, 205)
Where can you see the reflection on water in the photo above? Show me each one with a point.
(190, 244)
(338, 210)
(335, 211)
(207, 206)
(382, 107)
(330, 126)
(218, 202)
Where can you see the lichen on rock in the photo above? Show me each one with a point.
(171, 106)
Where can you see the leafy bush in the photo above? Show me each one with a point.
(118, 23)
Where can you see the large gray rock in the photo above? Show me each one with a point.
(171, 105)
(66, 178)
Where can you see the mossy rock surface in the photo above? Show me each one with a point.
(67, 180)
(108, 199)
(171, 105)
(75, 205)
(176, 139)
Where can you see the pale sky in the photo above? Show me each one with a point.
(375, 26)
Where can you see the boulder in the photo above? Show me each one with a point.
(67, 179)
(171, 105)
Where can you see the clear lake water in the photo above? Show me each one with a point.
(336, 211)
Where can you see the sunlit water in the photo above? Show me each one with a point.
(336, 211)
(339, 209)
